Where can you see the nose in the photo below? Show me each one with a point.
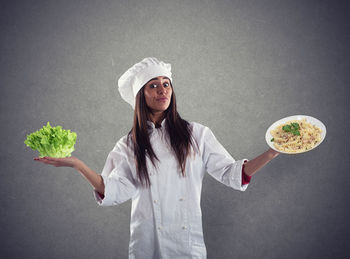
(162, 89)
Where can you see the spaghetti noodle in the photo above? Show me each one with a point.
(288, 142)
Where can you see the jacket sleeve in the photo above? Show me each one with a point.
(117, 178)
(220, 164)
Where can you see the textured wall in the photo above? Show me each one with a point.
(238, 66)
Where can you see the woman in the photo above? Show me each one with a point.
(160, 165)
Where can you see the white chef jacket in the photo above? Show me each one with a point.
(166, 219)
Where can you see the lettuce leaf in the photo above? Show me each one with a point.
(52, 141)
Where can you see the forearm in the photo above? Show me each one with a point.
(252, 166)
(93, 178)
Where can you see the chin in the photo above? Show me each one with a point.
(160, 108)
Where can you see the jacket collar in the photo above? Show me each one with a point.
(152, 126)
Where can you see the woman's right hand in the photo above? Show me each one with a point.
(71, 161)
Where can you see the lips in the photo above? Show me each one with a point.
(162, 99)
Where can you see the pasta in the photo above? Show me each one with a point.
(290, 142)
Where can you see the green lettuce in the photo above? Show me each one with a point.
(52, 141)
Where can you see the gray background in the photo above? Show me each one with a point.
(237, 66)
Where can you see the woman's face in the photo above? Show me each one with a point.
(158, 93)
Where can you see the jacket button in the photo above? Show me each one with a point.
(181, 199)
(183, 227)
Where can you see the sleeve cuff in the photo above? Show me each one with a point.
(101, 195)
(100, 198)
(245, 178)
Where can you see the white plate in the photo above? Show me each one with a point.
(309, 119)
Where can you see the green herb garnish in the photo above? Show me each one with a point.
(272, 139)
(292, 128)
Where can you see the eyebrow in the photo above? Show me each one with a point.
(164, 77)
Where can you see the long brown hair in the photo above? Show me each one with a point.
(177, 129)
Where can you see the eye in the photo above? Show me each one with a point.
(153, 85)
(166, 84)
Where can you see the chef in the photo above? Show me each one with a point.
(160, 165)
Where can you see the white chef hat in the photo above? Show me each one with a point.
(138, 75)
